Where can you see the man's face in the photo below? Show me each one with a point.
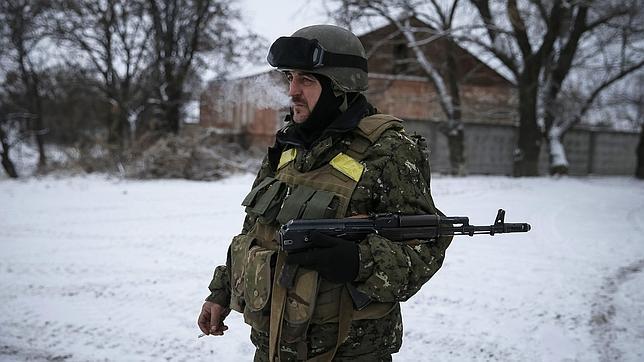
(304, 90)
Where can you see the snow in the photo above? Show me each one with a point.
(96, 269)
(556, 149)
(191, 112)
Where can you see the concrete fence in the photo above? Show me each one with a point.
(489, 149)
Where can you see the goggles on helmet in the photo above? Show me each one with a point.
(309, 54)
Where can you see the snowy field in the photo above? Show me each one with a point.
(93, 269)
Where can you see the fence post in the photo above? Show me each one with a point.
(591, 150)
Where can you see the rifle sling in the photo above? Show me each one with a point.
(344, 323)
(278, 300)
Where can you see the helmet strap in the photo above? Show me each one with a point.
(338, 92)
(345, 104)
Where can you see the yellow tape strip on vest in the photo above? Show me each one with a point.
(286, 157)
(347, 166)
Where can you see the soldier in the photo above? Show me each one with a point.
(336, 157)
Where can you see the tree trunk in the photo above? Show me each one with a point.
(456, 135)
(456, 144)
(38, 129)
(6, 161)
(639, 173)
(173, 115)
(556, 152)
(7, 164)
(40, 142)
(118, 127)
(113, 130)
(115, 141)
(557, 161)
(526, 157)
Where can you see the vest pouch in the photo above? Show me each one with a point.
(322, 205)
(294, 204)
(327, 307)
(300, 303)
(238, 257)
(250, 199)
(257, 287)
(265, 199)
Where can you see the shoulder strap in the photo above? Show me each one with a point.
(344, 325)
(369, 131)
(373, 126)
(278, 298)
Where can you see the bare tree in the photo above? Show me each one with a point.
(22, 31)
(538, 42)
(5, 151)
(14, 121)
(188, 35)
(523, 40)
(639, 170)
(5, 142)
(594, 53)
(636, 116)
(111, 37)
(421, 25)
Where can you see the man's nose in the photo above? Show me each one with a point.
(294, 89)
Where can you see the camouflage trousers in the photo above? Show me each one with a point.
(368, 340)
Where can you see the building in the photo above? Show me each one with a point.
(254, 106)
(397, 86)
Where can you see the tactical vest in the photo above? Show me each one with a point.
(256, 262)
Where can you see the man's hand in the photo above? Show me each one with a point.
(211, 319)
(336, 260)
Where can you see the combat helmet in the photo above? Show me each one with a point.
(328, 50)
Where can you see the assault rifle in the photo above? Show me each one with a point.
(294, 236)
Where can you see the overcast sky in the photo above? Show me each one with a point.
(275, 18)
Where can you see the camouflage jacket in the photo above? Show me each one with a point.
(396, 179)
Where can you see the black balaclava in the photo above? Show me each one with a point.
(326, 118)
(326, 110)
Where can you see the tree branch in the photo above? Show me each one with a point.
(593, 95)
(520, 33)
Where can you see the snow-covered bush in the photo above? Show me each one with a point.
(206, 156)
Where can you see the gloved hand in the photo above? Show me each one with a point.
(337, 260)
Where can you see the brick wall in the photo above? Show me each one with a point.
(411, 97)
(388, 53)
(242, 105)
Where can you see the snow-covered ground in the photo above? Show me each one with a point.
(94, 269)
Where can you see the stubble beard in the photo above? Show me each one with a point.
(300, 110)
